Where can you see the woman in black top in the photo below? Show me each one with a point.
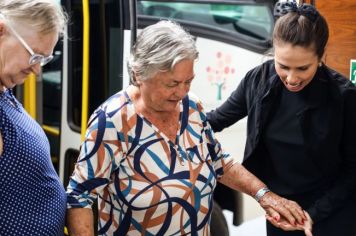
(301, 125)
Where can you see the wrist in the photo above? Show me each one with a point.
(260, 193)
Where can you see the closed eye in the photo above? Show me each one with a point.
(172, 85)
(189, 81)
(304, 68)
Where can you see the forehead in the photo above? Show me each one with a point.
(288, 54)
(40, 43)
(183, 70)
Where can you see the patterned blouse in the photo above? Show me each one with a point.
(146, 184)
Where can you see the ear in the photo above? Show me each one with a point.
(137, 79)
(138, 82)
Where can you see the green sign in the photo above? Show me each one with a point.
(353, 71)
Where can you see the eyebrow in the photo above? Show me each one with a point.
(191, 78)
(307, 65)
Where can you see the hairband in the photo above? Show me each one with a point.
(307, 10)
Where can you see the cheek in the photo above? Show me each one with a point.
(164, 92)
(307, 76)
(15, 64)
(281, 73)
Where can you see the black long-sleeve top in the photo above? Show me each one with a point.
(328, 128)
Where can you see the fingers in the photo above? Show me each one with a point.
(307, 232)
(283, 224)
(288, 227)
(272, 213)
(296, 211)
(308, 225)
(272, 221)
(307, 216)
(290, 210)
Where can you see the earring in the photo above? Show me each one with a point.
(320, 64)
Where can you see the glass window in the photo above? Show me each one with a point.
(248, 19)
(105, 66)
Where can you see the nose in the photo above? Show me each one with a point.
(292, 78)
(36, 69)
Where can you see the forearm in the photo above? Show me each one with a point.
(80, 222)
(239, 178)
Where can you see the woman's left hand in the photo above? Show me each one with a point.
(278, 207)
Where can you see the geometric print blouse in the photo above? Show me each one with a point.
(144, 183)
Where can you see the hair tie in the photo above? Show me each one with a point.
(309, 11)
(284, 7)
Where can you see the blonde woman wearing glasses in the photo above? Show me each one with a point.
(32, 198)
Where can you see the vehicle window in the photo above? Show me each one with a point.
(105, 73)
(251, 20)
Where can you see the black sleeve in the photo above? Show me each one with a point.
(232, 110)
(345, 185)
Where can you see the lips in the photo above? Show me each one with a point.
(294, 85)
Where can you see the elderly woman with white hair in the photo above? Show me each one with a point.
(32, 198)
(149, 155)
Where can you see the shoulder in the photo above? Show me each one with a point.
(116, 102)
(267, 69)
(258, 80)
(114, 108)
(261, 75)
(339, 84)
(192, 97)
(267, 66)
(194, 102)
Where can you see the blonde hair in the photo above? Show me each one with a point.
(45, 16)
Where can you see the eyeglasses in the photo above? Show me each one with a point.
(35, 58)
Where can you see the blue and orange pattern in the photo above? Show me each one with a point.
(146, 184)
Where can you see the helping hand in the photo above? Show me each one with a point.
(278, 208)
(285, 225)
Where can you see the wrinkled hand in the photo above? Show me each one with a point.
(279, 208)
(285, 225)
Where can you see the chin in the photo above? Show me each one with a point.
(169, 108)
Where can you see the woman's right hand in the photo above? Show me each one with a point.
(281, 208)
(285, 225)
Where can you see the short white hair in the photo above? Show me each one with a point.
(159, 47)
(45, 16)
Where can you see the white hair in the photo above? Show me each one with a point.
(159, 48)
(45, 16)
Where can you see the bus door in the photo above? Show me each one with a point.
(99, 40)
(232, 37)
(87, 69)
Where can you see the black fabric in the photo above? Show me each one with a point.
(289, 169)
(327, 124)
